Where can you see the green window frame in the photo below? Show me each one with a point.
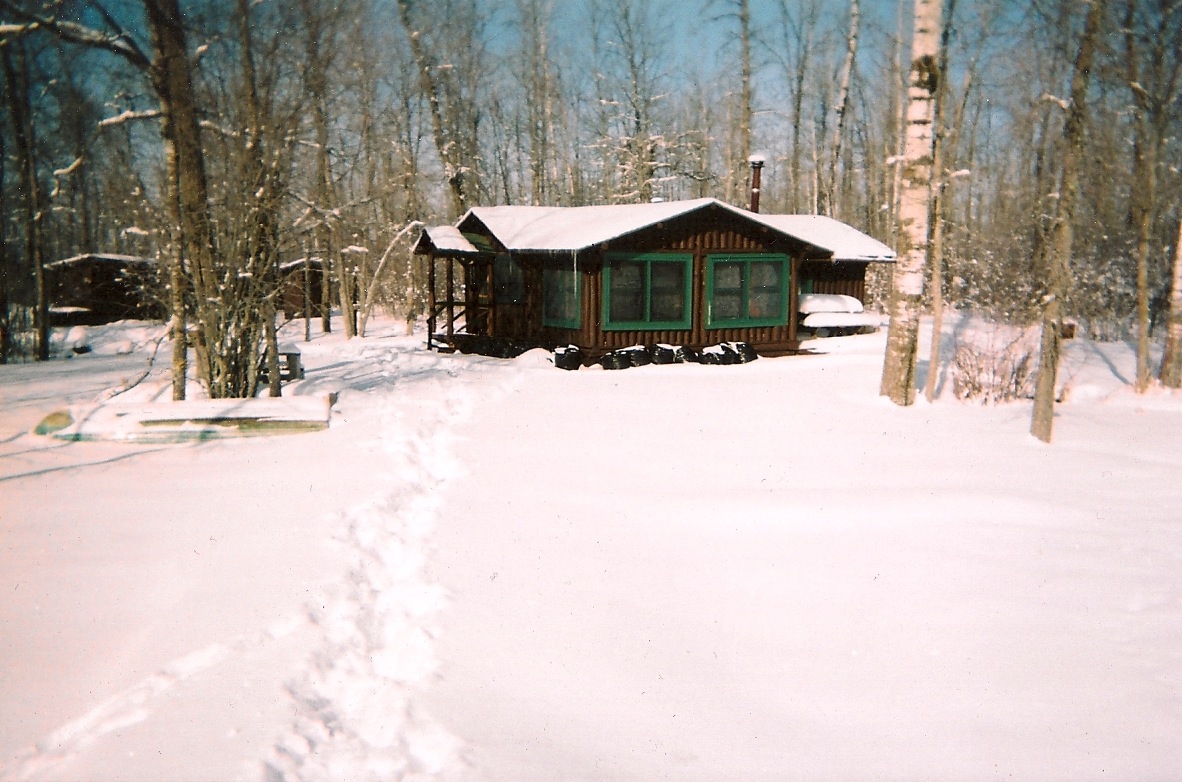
(647, 291)
(749, 289)
(561, 298)
(508, 280)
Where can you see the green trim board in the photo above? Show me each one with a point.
(747, 289)
(647, 291)
(561, 298)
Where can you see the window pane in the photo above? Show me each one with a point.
(627, 291)
(728, 291)
(765, 274)
(668, 292)
(559, 303)
(727, 306)
(764, 304)
(766, 291)
(728, 276)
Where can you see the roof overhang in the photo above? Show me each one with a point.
(444, 240)
(570, 230)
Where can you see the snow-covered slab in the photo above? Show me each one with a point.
(828, 302)
(841, 320)
(175, 422)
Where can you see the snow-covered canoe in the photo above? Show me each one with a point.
(175, 422)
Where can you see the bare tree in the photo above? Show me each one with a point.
(1153, 68)
(631, 56)
(828, 197)
(739, 103)
(898, 375)
(5, 274)
(539, 89)
(794, 52)
(224, 287)
(16, 77)
(446, 41)
(1057, 267)
(1171, 363)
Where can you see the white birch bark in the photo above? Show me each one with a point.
(829, 199)
(898, 371)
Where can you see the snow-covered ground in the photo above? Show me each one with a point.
(490, 569)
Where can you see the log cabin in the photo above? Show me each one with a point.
(692, 273)
(96, 288)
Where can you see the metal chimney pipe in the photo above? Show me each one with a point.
(756, 162)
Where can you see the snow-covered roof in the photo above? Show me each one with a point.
(448, 239)
(573, 228)
(570, 228)
(846, 242)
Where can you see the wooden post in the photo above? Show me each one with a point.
(307, 281)
(430, 300)
(451, 299)
(491, 292)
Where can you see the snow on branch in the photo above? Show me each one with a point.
(1060, 102)
(127, 116)
(227, 132)
(118, 42)
(17, 29)
(70, 169)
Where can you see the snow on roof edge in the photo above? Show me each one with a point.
(447, 239)
(565, 229)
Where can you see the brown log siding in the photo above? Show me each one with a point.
(524, 322)
(845, 278)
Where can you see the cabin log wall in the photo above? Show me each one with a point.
(697, 235)
(848, 279)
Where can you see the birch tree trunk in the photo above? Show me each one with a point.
(938, 204)
(899, 94)
(1171, 363)
(446, 144)
(177, 287)
(799, 33)
(1057, 267)
(898, 371)
(828, 204)
(746, 99)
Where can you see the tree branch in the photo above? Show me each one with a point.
(117, 42)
